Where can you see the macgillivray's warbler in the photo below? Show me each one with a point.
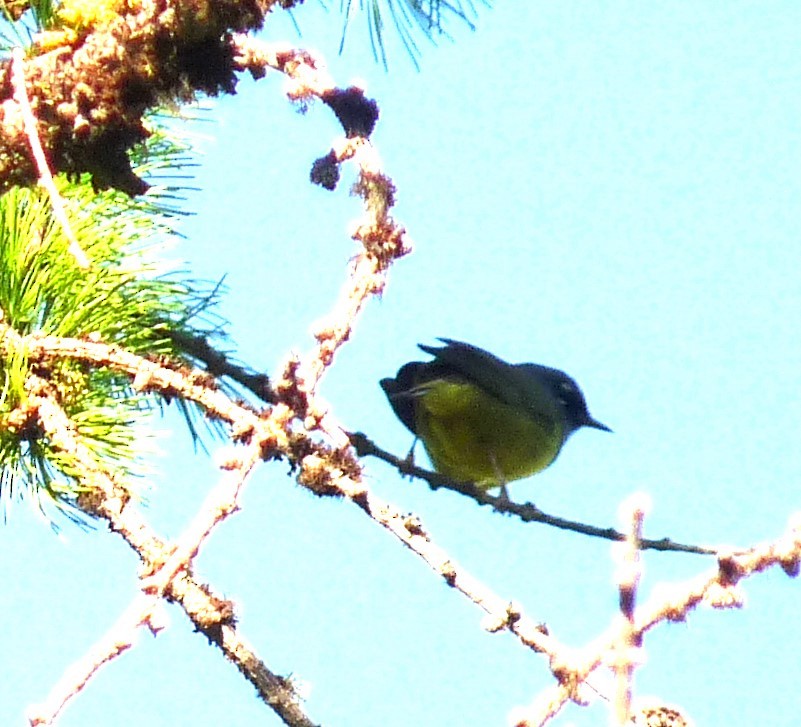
(483, 420)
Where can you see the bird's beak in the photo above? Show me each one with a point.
(595, 424)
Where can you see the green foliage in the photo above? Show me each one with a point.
(44, 13)
(126, 297)
(20, 19)
(411, 19)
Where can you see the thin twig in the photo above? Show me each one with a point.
(219, 365)
(629, 572)
(221, 502)
(171, 380)
(118, 639)
(381, 238)
(211, 615)
(45, 175)
(671, 603)
(501, 613)
(527, 512)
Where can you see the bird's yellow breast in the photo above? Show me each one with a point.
(471, 436)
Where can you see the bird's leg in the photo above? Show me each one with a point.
(407, 463)
(503, 497)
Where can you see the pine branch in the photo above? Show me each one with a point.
(91, 118)
(169, 569)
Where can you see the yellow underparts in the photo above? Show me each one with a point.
(471, 436)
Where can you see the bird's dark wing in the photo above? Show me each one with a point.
(480, 367)
(400, 392)
(410, 381)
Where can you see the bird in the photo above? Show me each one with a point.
(483, 420)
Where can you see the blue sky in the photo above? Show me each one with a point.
(610, 188)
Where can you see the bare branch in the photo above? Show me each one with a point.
(219, 365)
(168, 379)
(502, 614)
(211, 615)
(119, 638)
(629, 572)
(221, 502)
(673, 603)
(527, 512)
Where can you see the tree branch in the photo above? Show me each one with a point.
(325, 470)
(213, 616)
(219, 365)
(527, 512)
(716, 588)
(90, 106)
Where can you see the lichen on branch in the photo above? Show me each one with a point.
(101, 65)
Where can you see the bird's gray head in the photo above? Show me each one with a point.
(568, 394)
